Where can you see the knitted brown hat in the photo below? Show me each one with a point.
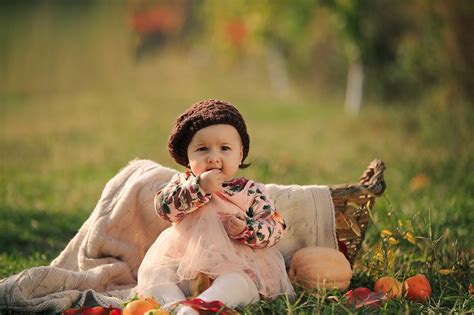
(201, 115)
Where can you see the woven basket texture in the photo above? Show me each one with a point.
(352, 203)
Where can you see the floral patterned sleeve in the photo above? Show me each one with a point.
(181, 196)
(265, 226)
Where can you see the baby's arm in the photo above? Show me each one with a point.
(181, 196)
(264, 226)
(211, 181)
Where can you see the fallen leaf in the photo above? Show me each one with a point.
(410, 238)
(392, 241)
(333, 298)
(74, 311)
(209, 306)
(418, 182)
(360, 297)
(97, 310)
(445, 272)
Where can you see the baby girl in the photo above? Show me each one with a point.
(224, 227)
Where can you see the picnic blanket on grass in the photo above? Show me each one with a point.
(99, 265)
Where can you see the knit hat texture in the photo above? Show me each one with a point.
(201, 115)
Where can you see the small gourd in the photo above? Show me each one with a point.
(320, 267)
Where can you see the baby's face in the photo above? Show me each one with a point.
(216, 147)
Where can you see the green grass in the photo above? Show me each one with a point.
(69, 127)
(59, 151)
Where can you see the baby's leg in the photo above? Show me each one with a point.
(233, 289)
(165, 294)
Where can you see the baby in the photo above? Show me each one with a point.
(224, 227)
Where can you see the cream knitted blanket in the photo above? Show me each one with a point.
(100, 264)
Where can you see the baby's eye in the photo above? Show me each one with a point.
(225, 148)
(202, 149)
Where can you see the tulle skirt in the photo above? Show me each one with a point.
(199, 243)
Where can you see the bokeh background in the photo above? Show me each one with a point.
(325, 86)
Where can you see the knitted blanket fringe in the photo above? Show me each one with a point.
(99, 265)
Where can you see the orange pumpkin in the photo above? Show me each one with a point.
(320, 267)
(156, 312)
(137, 307)
(152, 301)
(390, 286)
(417, 288)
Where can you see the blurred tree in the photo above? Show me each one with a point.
(156, 22)
(351, 13)
(394, 50)
(270, 29)
(284, 32)
(372, 31)
(423, 47)
(459, 42)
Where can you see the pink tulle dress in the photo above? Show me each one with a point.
(198, 242)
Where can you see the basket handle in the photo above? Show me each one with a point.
(372, 178)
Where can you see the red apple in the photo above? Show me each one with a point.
(390, 286)
(417, 288)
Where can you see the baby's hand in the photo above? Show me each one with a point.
(236, 224)
(211, 181)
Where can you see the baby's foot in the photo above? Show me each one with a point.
(185, 310)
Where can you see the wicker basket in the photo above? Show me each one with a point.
(352, 203)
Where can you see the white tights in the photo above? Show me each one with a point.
(233, 289)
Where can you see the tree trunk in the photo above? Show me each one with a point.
(278, 73)
(354, 88)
